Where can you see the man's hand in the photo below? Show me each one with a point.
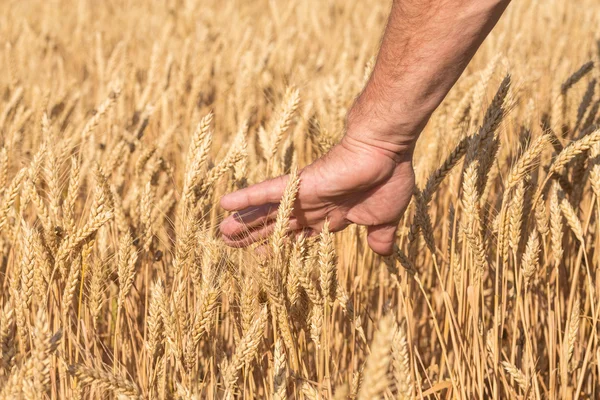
(368, 178)
(354, 182)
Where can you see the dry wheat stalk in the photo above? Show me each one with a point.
(573, 329)
(576, 76)
(154, 321)
(45, 344)
(316, 324)
(3, 169)
(436, 178)
(208, 303)
(309, 391)
(376, 379)
(105, 380)
(127, 258)
(279, 372)
(541, 217)
(516, 374)
(245, 350)
(327, 264)
(15, 99)
(309, 286)
(72, 282)
(530, 261)
(290, 105)
(526, 162)
(99, 215)
(296, 265)
(572, 219)
(284, 212)
(472, 224)
(109, 234)
(556, 225)
(564, 157)
(401, 365)
(7, 351)
(515, 217)
(105, 107)
(28, 264)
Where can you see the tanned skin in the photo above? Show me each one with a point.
(367, 178)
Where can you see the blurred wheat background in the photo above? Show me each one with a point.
(122, 123)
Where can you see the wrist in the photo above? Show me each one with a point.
(360, 139)
(390, 132)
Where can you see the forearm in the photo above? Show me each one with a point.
(426, 46)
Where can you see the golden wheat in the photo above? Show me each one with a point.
(121, 128)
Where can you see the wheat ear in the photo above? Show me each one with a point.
(376, 380)
(105, 380)
(279, 372)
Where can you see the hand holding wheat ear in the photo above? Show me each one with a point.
(353, 183)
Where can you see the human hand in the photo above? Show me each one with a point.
(354, 182)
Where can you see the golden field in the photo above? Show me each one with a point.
(122, 123)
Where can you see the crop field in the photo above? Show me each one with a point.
(123, 123)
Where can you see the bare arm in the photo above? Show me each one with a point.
(426, 46)
(368, 179)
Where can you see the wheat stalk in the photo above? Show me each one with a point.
(279, 374)
(376, 379)
(284, 212)
(105, 380)
(530, 261)
(401, 365)
(245, 350)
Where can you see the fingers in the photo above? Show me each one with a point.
(381, 238)
(257, 222)
(248, 219)
(256, 195)
(304, 232)
(336, 223)
(249, 237)
(240, 223)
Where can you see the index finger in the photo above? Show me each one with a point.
(269, 191)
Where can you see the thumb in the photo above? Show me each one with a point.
(381, 238)
(256, 195)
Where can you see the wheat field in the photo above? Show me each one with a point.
(122, 123)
